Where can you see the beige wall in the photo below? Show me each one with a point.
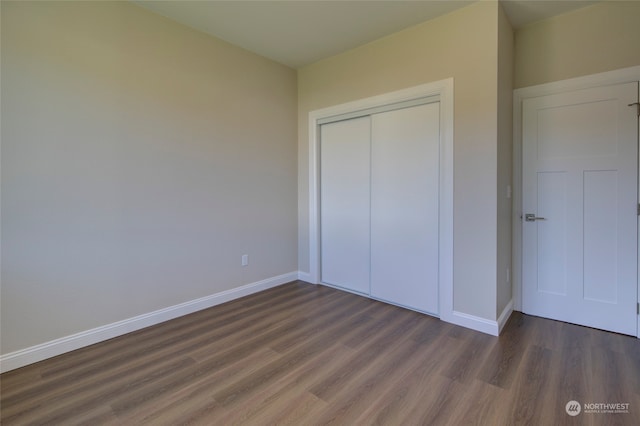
(595, 39)
(140, 160)
(505, 155)
(462, 45)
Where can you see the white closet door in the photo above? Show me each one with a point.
(404, 206)
(345, 203)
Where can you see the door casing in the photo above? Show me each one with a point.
(444, 90)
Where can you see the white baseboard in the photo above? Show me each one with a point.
(505, 315)
(305, 276)
(482, 324)
(57, 347)
(474, 323)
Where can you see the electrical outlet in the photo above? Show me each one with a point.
(245, 260)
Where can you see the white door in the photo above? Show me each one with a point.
(345, 203)
(580, 184)
(404, 206)
(379, 205)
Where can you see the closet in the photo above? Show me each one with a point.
(379, 203)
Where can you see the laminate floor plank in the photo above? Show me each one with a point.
(434, 402)
(62, 391)
(149, 402)
(281, 319)
(370, 330)
(356, 396)
(481, 404)
(276, 398)
(314, 342)
(302, 354)
(632, 371)
(63, 407)
(546, 334)
(431, 329)
(467, 365)
(296, 408)
(378, 346)
(192, 403)
(529, 390)
(501, 365)
(324, 318)
(421, 370)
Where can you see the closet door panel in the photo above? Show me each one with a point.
(345, 203)
(404, 206)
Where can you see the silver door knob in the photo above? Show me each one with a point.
(530, 217)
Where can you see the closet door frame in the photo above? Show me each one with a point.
(442, 91)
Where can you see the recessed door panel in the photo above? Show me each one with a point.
(552, 249)
(600, 238)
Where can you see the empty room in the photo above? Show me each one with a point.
(319, 212)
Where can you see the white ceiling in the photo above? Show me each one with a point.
(300, 32)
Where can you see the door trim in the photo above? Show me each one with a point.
(625, 75)
(444, 90)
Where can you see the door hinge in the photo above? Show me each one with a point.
(638, 210)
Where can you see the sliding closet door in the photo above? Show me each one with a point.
(345, 203)
(404, 206)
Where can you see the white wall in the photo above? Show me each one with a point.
(140, 160)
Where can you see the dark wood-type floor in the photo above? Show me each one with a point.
(302, 354)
